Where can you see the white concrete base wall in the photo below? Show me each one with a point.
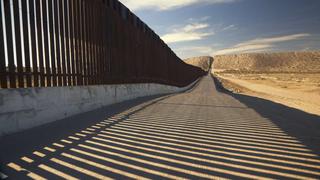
(22, 109)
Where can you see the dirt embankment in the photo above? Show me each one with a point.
(306, 62)
(204, 62)
(292, 79)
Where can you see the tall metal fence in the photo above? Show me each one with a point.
(45, 43)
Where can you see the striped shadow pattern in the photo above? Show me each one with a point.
(185, 136)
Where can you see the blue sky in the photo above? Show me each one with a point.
(212, 27)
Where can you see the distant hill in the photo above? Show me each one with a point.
(204, 62)
(269, 62)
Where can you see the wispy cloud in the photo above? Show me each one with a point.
(162, 5)
(260, 44)
(194, 29)
(244, 48)
(190, 32)
(230, 27)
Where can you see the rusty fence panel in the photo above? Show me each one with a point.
(33, 24)
(72, 42)
(46, 50)
(65, 43)
(52, 70)
(83, 42)
(57, 11)
(10, 52)
(19, 65)
(40, 47)
(27, 65)
(3, 71)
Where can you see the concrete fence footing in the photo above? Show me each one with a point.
(21, 109)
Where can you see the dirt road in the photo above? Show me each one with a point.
(204, 133)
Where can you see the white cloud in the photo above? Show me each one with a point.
(189, 32)
(230, 27)
(194, 27)
(244, 48)
(275, 39)
(162, 5)
(260, 44)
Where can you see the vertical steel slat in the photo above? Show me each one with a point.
(18, 42)
(116, 46)
(72, 42)
(84, 43)
(93, 71)
(52, 44)
(134, 47)
(3, 71)
(66, 45)
(99, 48)
(93, 44)
(105, 53)
(11, 68)
(103, 42)
(113, 43)
(33, 44)
(63, 37)
(40, 44)
(75, 57)
(99, 38)
(26, 43)
(76, 37)
(138, 47)
(80, 42)
(129, 64)
(98, 45)
(88, 41)
(57, 15)
(46, 43)
(108, 40)
(88, 27)
(122, 72)
(131, 46)
(99, 41)
(84, 40)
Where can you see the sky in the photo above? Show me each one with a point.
(213, 27)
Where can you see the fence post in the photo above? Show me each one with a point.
(12, 68)
(57, 14)
(3, 71)
(26, 43)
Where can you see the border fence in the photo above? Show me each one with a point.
(48, 43)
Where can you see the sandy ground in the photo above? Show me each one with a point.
(300, 91)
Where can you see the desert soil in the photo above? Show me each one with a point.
(300, 91)
(291, 78)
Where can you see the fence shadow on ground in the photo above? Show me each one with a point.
(149, 142)
(17, 144)
(296, 123)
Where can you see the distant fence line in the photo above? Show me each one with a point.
(82, 42)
